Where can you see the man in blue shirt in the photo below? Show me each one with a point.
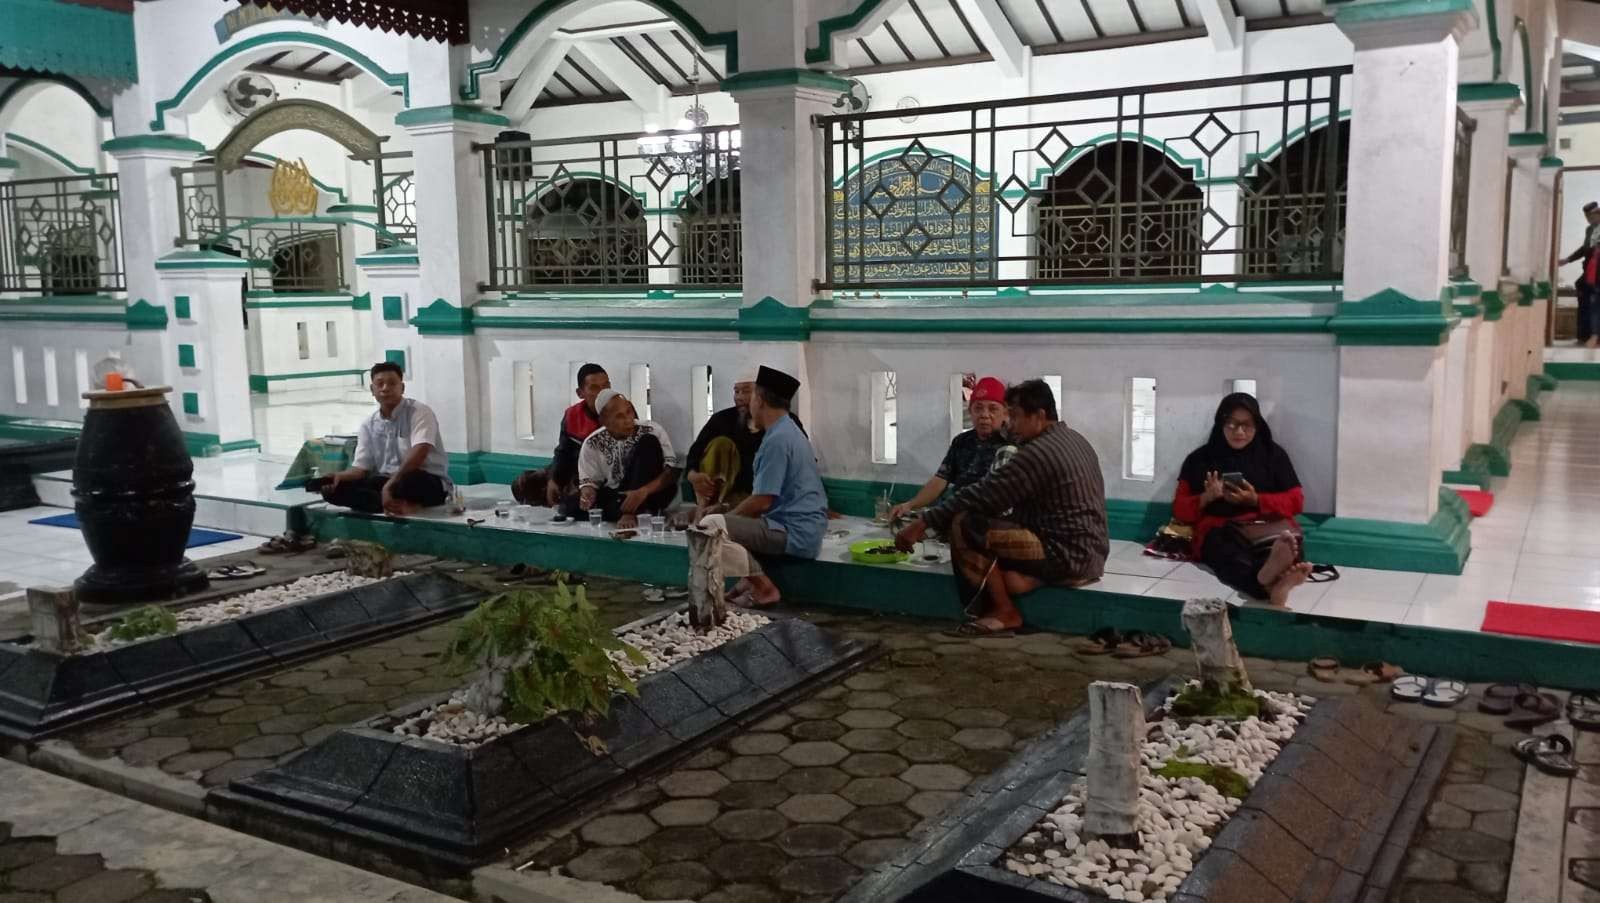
(787, 511)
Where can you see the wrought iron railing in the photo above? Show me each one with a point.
(1461, 193)
(61, 236)
(395, 183)
(604, 211)
(289, 254)
(1155, 184)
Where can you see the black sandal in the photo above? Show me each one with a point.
(1102, 642)
(1499, 698)
(1534, 710)
(1583, 710)
(1551, 754)
(1140, 644)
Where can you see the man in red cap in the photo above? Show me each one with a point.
(972, 453)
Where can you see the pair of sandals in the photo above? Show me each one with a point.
(1328, 670)
(240, 571)
(287, 544)
(1521, 705)
(1440, 692)
(670, 593)
(1133, 644)
(1551, 754)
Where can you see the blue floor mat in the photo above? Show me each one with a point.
(198, 536)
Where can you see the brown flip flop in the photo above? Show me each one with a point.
(1374, 673)
(1139, 644)
(1102, 642)
(1325, 668)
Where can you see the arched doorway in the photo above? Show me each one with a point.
(1123, 210)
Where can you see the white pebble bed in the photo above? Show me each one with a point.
(1177, 817)
(663, 644)
(259, 600)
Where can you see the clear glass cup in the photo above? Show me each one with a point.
(658, 526)
(880, 509)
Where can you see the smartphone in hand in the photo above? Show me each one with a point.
(1232, 478)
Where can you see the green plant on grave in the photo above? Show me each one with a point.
(1211, 701)
(1226, 781)
(151, 620)
(542, 651)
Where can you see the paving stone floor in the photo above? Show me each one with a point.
(242, 728)
(32, 871)
(796, 808)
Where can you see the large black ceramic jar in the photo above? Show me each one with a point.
(133, 482)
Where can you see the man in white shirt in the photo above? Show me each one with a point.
(400, 464)
(627, 467)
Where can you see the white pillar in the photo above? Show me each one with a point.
(1402, 144)
(1492, 105)
(452, 257)
(393, 278)
(782, 153)
(148, 197)
(203, 352)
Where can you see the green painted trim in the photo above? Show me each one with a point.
(1392, 318)
(1547, 382)
(443, 318)
(930, 593)
(1527, 139)
(14, 427)
(260, 381)
(1528, 408)
(1094, 325)
(49, 153)
(1495, 456)
(191, 403)
(727, 40)
(152, 142)
(643, 324)
(352, 208)
(1496, 90)
(1494, 38)
(361, 302)
(201, 260)
(9, 163)
(67, 81)
(769, 320)
(1468, 311)
(1542, 291)
(1576, 371)
(401, 81)
(1466, 288)
(1440, 546)
(395, 356)
(464, 468)
(784, 78)
(822, 52)
(65, 301)
(186, 355)
(346, 303)
(1552, 162)
(1521, 28)
(393, 307)
(452, 112)
(207, 445)
(180, 307)
(1389, 10)
(1525, 294)
(398, 255)
(1464, 477)
(142, 315)
(82, 40)
(8, 316)
(1493, 305)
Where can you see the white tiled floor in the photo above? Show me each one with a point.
(284, 420)
(32, 554)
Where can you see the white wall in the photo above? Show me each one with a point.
(56, 117)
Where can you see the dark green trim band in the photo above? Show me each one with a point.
(1551, 162)
(1527, 139)
(931, 594)
(361, 302)
(784, 78)
(344, 303)
(201, 260)
(1576, 371)
(399, 255)
(1440, 546)
(210, 444)
(770, 320)
(1472, 91)
(1389, 10)
(443, 318)
(142, 315)
(352, 208)
(152, 142)
(260, 381)
(1390, 318)
(455, 112)
(1493, 305)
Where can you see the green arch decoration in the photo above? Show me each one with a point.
(827, 28)
(727, 40)
(1277, 147)
(67, 81)
(49, 152)
(350, 54)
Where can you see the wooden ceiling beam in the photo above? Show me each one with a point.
(998, 35)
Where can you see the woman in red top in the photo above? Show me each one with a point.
(1241, 443)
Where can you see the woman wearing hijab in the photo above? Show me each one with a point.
(1266, 486)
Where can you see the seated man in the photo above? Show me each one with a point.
(787, 511)
(722, 459)
(972, 454)
(400, 463)
(560, 480)
(1056, 531)
(626, 467)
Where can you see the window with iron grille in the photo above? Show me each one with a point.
(1284, 206)
(585, 232)
(1123, 209)
(709, 234)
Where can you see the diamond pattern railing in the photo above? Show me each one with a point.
(602, 212)
(1156, 184)
(1460, 193)
(61, 236)
(396, 189)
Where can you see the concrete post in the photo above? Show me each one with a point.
(202, 353)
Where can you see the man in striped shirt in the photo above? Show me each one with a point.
(1055, 531)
